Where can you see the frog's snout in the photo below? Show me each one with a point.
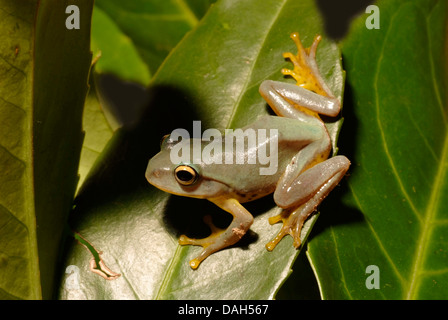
(152, 172)
(157, 173)
(154, 176)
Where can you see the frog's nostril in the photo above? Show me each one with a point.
(157, 173)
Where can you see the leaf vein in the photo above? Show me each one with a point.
(13, 66)
(378, 240)
(168, 273)
(380, 126)
(123, 274)
(344, 282)
(4, 209)
(427, 226)
(189, 15)
(433, 76)
(12, 104)
(13, 155)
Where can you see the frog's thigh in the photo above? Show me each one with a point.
(290, 179)
(279, 95)
(322, 177)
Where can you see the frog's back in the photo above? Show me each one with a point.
(290, 130)
(255, 178)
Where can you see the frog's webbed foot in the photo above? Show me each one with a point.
(317, 181)
(306, 71)
(221, 238)
(293, 221)
(205, 242)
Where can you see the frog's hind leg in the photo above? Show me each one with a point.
(221, 238)
(317, 181)
(309, 177)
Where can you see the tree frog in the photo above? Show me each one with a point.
(304, 175)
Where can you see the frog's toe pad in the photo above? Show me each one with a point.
(205, 242)
(283, 232)
(292, 225)
(184, 240)
(305, 71)
(283, 216)
(194, 264)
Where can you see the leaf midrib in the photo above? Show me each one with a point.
(428, 224)
(434, 201)
(252, 67)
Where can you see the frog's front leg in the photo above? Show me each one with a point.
(291, 101)
(219, 239)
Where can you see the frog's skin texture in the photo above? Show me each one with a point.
(305, 175)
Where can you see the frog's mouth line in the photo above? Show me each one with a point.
(189, 189)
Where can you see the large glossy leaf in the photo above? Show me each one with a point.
(212, 75)
(134, 37)
(43, 73)
(396, 210)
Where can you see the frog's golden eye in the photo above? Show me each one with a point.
(185, 175)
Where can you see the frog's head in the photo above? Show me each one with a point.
(181, 178)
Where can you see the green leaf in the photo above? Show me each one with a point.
(212, 75)
(134, 37)
(97, 130)
(396, 211)
(43, 73)
(118, 54)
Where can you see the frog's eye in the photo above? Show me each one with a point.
(163, 140)
(185, 175)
